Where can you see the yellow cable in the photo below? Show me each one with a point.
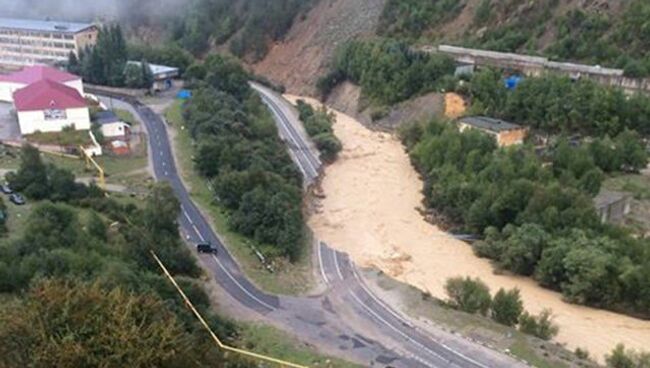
(221, 345)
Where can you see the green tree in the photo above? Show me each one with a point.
(541, 326)
(71, 324)
(31, 177)
(468, 295)
(507, 307)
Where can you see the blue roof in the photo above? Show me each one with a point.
(106, 117)
(43, 25)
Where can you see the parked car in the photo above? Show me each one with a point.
(17, 199)
(6, 189)
(206, 248)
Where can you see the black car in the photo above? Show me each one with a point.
(17, 199)
(206, 248)
(6, 189)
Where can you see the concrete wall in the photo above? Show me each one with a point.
(32, 121)
(115, 130)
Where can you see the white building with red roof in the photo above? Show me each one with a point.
(10, 83)
(50, 106)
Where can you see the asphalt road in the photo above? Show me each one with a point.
(348, 320)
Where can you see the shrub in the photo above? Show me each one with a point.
(468, 295)
(541, 326)
(507, 307)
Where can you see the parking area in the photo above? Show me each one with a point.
(9, 129)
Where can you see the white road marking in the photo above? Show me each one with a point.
(336, 263)
(198, 233)
(406, 322)
(320, 261)
(405, 336)
(240, 285)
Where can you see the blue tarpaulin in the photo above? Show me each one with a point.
(513, 81)
(184, 94)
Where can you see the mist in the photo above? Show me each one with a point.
(132, 12)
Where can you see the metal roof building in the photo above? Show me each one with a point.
(43, 25)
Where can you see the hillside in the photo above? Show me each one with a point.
(612, 33)
(303, 56)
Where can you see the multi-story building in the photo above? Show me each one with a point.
(29, 42)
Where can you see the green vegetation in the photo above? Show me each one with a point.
(544, 225)
(473, 296)
(65, 138)
(387, 71)
(250, 26)
(240, 153)
(507, 307)
(410, 18)
(556, 104)
(467, 295)
(106, 62)
(318, 124)
(585, 33)
(540, 326)
(288, 277)
(40, 181)
(624, 358)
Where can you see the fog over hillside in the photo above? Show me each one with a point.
(133, 11)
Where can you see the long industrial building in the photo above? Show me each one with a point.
(29, 42)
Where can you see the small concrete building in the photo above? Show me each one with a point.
(163, 76)
(48, 106)
(10, 83)
(612, 207)
(506, 134)
(111, 126)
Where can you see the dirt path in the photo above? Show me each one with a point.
(370, 212)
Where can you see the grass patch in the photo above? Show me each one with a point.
(126, 116)
(521, 348)
(636, 184)
(288, 278)
(64, 138)
(270, 341)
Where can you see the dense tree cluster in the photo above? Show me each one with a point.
(473, 296)
(387, 71)
(82, 288)
(544, 224)
(38, 180)
(240, 152)
(318, 124)
(556, 104)
(106, 62)
(249, 25)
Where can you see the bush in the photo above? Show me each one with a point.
(541, 326)
(318, 124)
(622, 358)
(507, 307)
(468, 295)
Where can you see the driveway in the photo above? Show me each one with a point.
(9, 129)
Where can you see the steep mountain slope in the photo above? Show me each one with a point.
(303, 56)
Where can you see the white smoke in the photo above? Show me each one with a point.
(130, 11)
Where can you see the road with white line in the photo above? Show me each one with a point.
(347, 320)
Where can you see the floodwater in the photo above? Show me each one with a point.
(370, 210)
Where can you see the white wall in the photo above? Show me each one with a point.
(7, 90)
(32, 121)
(113, 130)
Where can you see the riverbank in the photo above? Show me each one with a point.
(370, 210)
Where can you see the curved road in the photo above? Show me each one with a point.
(348, 320)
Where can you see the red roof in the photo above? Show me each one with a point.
(47, 94)
(36, 73)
